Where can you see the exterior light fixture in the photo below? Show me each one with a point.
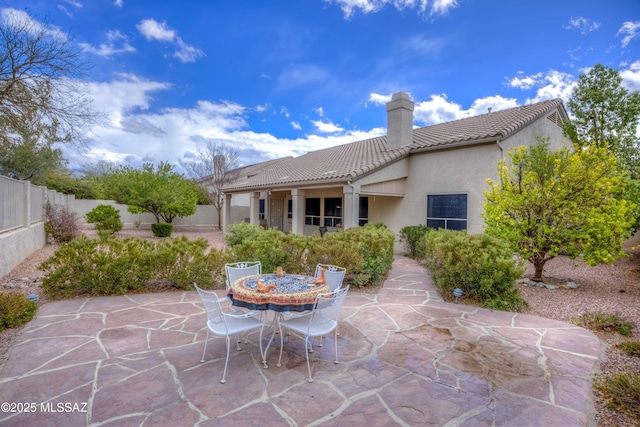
(457, 292)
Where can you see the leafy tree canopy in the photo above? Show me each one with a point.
(157, 190)
(552, 202)
(606, 115)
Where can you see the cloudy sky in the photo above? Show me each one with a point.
(286, 77)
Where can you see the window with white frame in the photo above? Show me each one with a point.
(447, 211)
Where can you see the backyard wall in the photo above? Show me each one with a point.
(22, 218)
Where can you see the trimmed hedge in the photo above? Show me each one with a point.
(482, 266)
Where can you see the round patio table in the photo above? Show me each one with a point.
(293, 293)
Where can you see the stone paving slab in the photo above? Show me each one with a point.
(406, 358)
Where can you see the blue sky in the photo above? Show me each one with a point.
(287, 77)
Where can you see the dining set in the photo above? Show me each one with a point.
(303, 306)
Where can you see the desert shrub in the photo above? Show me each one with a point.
(412, 237)
(366, 252)
(15, 310)
(111, 266)
(180, 262)
(600, 321)
(106, 219)
(62, 224)
(161, 229)
(621, 392)
(482, 266)
(632, 348)
(238, 233)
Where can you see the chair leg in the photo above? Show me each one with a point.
(205, 345)
(226, 362)
(306, 350)
(336, 344)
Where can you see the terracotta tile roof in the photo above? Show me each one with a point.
(349, 161)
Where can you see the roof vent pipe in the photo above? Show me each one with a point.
(399, 121)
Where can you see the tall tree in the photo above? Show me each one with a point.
(157, 190)
(605, 114)
(41, 86)
(214, 167)
(552, 202)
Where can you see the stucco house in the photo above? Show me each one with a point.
(434, 175)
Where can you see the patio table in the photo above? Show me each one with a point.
(293, 292)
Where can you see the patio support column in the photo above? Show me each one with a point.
(226, 212)
(254, 208)
(297, 211)
(350, 212)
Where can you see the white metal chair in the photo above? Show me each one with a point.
(322, 320)
(334, 275)
(225, 324)
(238, 270)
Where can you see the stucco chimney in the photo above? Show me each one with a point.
(399, 121)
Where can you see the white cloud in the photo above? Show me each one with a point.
(110, 49)
(118, 3)
(582, 25)
(296, 125)
(550, 85)
(64, 9)
(14, 16)
(326, 126)
(186, 53)
(630, 30)
(378, 99)
(438, 7)
(154, 30)
(74, 3)
(631, 77)
(439, 109)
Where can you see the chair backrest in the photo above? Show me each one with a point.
(327, 307)
(211, 305)
(238, 270)
(334, 274)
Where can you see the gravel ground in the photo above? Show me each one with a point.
(613, 289)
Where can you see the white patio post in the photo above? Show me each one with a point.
(297, 211)
(254, 208)
(350, 211)
(226, 211)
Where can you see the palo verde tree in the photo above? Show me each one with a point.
(213, 168)
(43, 97)
(552, 202)
(157, 190)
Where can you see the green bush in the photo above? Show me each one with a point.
(412, 236)
(106, 218)
(632, 348)
(482, 266)
(112, 266)
(621, 392)
(161, 229)
(238, 233)
(600, 321)
(15, 310)
(366, 252)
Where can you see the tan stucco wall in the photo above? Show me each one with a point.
(463, 170)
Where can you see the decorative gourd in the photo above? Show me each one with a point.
(320, 280)
(262, 287)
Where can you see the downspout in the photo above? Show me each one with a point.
(501, 148)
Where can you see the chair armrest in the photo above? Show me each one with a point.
(238, 314)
